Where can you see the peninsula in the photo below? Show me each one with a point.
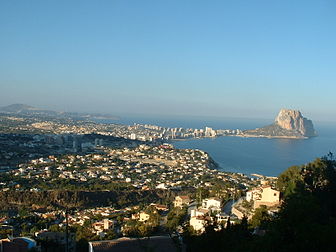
(288, 124)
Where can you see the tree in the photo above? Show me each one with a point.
(144, 230)
(154, 216)
(110, 235)
(261, 218)
(228, 223)
(289, 179)
(308, 215)
(175, 218)
(306, 220)
(201, 193)
(55, 228)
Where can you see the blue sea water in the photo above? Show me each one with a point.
(264, 156)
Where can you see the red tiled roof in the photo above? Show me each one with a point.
(154, 243)
(184, 197)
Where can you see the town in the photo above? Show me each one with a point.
(167, 126)
(79, 183)
(125, 192)
(23, 138)
(20, 124)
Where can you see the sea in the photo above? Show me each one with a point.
(264, 156)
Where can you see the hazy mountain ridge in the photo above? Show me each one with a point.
(17, 108)
(24, 109)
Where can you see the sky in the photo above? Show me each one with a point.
(228, 58)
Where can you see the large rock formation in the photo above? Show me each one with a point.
(288, 124)
(293, 120)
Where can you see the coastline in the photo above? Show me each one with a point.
(266, 136)
(244, 136)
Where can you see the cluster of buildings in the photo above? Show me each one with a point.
(211, 209)
(70, 151)
(261, 195)
(141, 132)
(17, 148)
(143, 167)
(26, 138)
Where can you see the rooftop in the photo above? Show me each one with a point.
(125, 244)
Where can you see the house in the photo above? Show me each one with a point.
(269, 197)
(125, 244)
(161, 186)
(222, 217)
(264, 195)
(135, 216)
(160, 207)
(253, 194)
(199, 222)
(213, 204)
(102, 226)
(18, 244)
(181, 201)
(143, 217)
(199, 212)
(60, 239)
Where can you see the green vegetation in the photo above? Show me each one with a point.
(81, 199)
(288, 180)
(136, 228)
(305, 222)
(260, 218)
(176, 218)
(273, 130)
(231, 238)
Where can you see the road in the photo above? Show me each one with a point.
(227, 207)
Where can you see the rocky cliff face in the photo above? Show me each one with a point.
(293, 120)
(288, 124)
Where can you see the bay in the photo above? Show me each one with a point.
(264, 156)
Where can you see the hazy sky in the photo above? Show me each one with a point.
(224, 58)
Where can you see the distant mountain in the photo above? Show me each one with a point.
(27, 110)
(17, 108)
(288, 124)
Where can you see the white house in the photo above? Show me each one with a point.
(144, 217)
(181, 201)
(199, 212)
(199, 222)
(253, 194)
(213, 204)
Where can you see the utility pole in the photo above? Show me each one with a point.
(234, 193)
(200, 196)
(66, 230)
